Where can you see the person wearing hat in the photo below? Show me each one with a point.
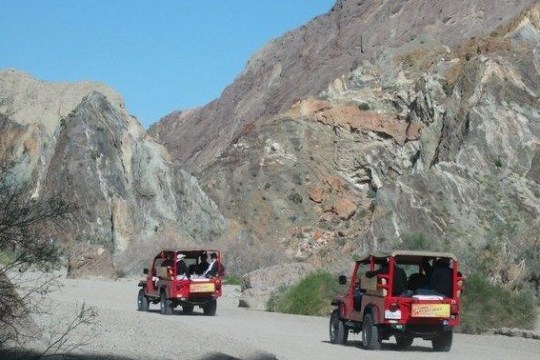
(181, 267)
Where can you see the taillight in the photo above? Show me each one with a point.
(218, 285)
(454, 309)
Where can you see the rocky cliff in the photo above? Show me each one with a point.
(78, 141)
(382, 124)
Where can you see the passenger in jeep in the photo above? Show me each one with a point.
(203, 265)
(212, 270)
(357, 295)
(441, 277)
(400, 278)
(182, 271)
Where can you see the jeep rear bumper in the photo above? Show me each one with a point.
(426, 332)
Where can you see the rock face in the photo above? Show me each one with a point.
(382, 124)
(78, 141)
(303, 62)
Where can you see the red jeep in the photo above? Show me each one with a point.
(409, 294)
(164, 286)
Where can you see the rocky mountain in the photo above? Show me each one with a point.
(381, 124)
(78, 141)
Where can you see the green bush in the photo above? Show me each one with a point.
(447, 88)
(364, 106)
(232, 280)
(310, 296)
(488, 306)
(296, 198)
(275, 298)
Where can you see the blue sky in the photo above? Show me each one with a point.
(160, 55)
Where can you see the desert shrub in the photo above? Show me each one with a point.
(489, 306)
(447, 88)
(275, 298)
(296, 198)
(310, 296)
(232, 280)
(29, 228)
(364, 106)
(120, 273)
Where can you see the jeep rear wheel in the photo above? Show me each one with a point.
(338, 330)
(210, 308)
(165, 306)
(142, 301)
(443, 342)
(187, 308)
(370, 334)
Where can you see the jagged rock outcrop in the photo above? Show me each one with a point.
(378, 125)
(79, 142)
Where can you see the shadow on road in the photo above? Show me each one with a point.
(28, 355)
(178, 312)
(384, 346)
(220, 356)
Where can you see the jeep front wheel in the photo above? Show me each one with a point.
(370, 334)
(210, 308)
(165, 306)
(142, 301)
(443, 342)
(338, 331)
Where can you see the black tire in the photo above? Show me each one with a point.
(210, 308)
(370, 334)
(187, 309)
(338, 330)
(165, 306)
(403, 342)
(443, 342)
(142, 301)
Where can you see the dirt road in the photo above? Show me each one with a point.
(239, 333)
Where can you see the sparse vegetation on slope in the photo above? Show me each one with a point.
(310, 296)
(489, 306)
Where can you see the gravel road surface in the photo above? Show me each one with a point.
(124, 332)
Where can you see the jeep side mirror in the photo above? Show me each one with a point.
(342, 279)
(145, 271)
